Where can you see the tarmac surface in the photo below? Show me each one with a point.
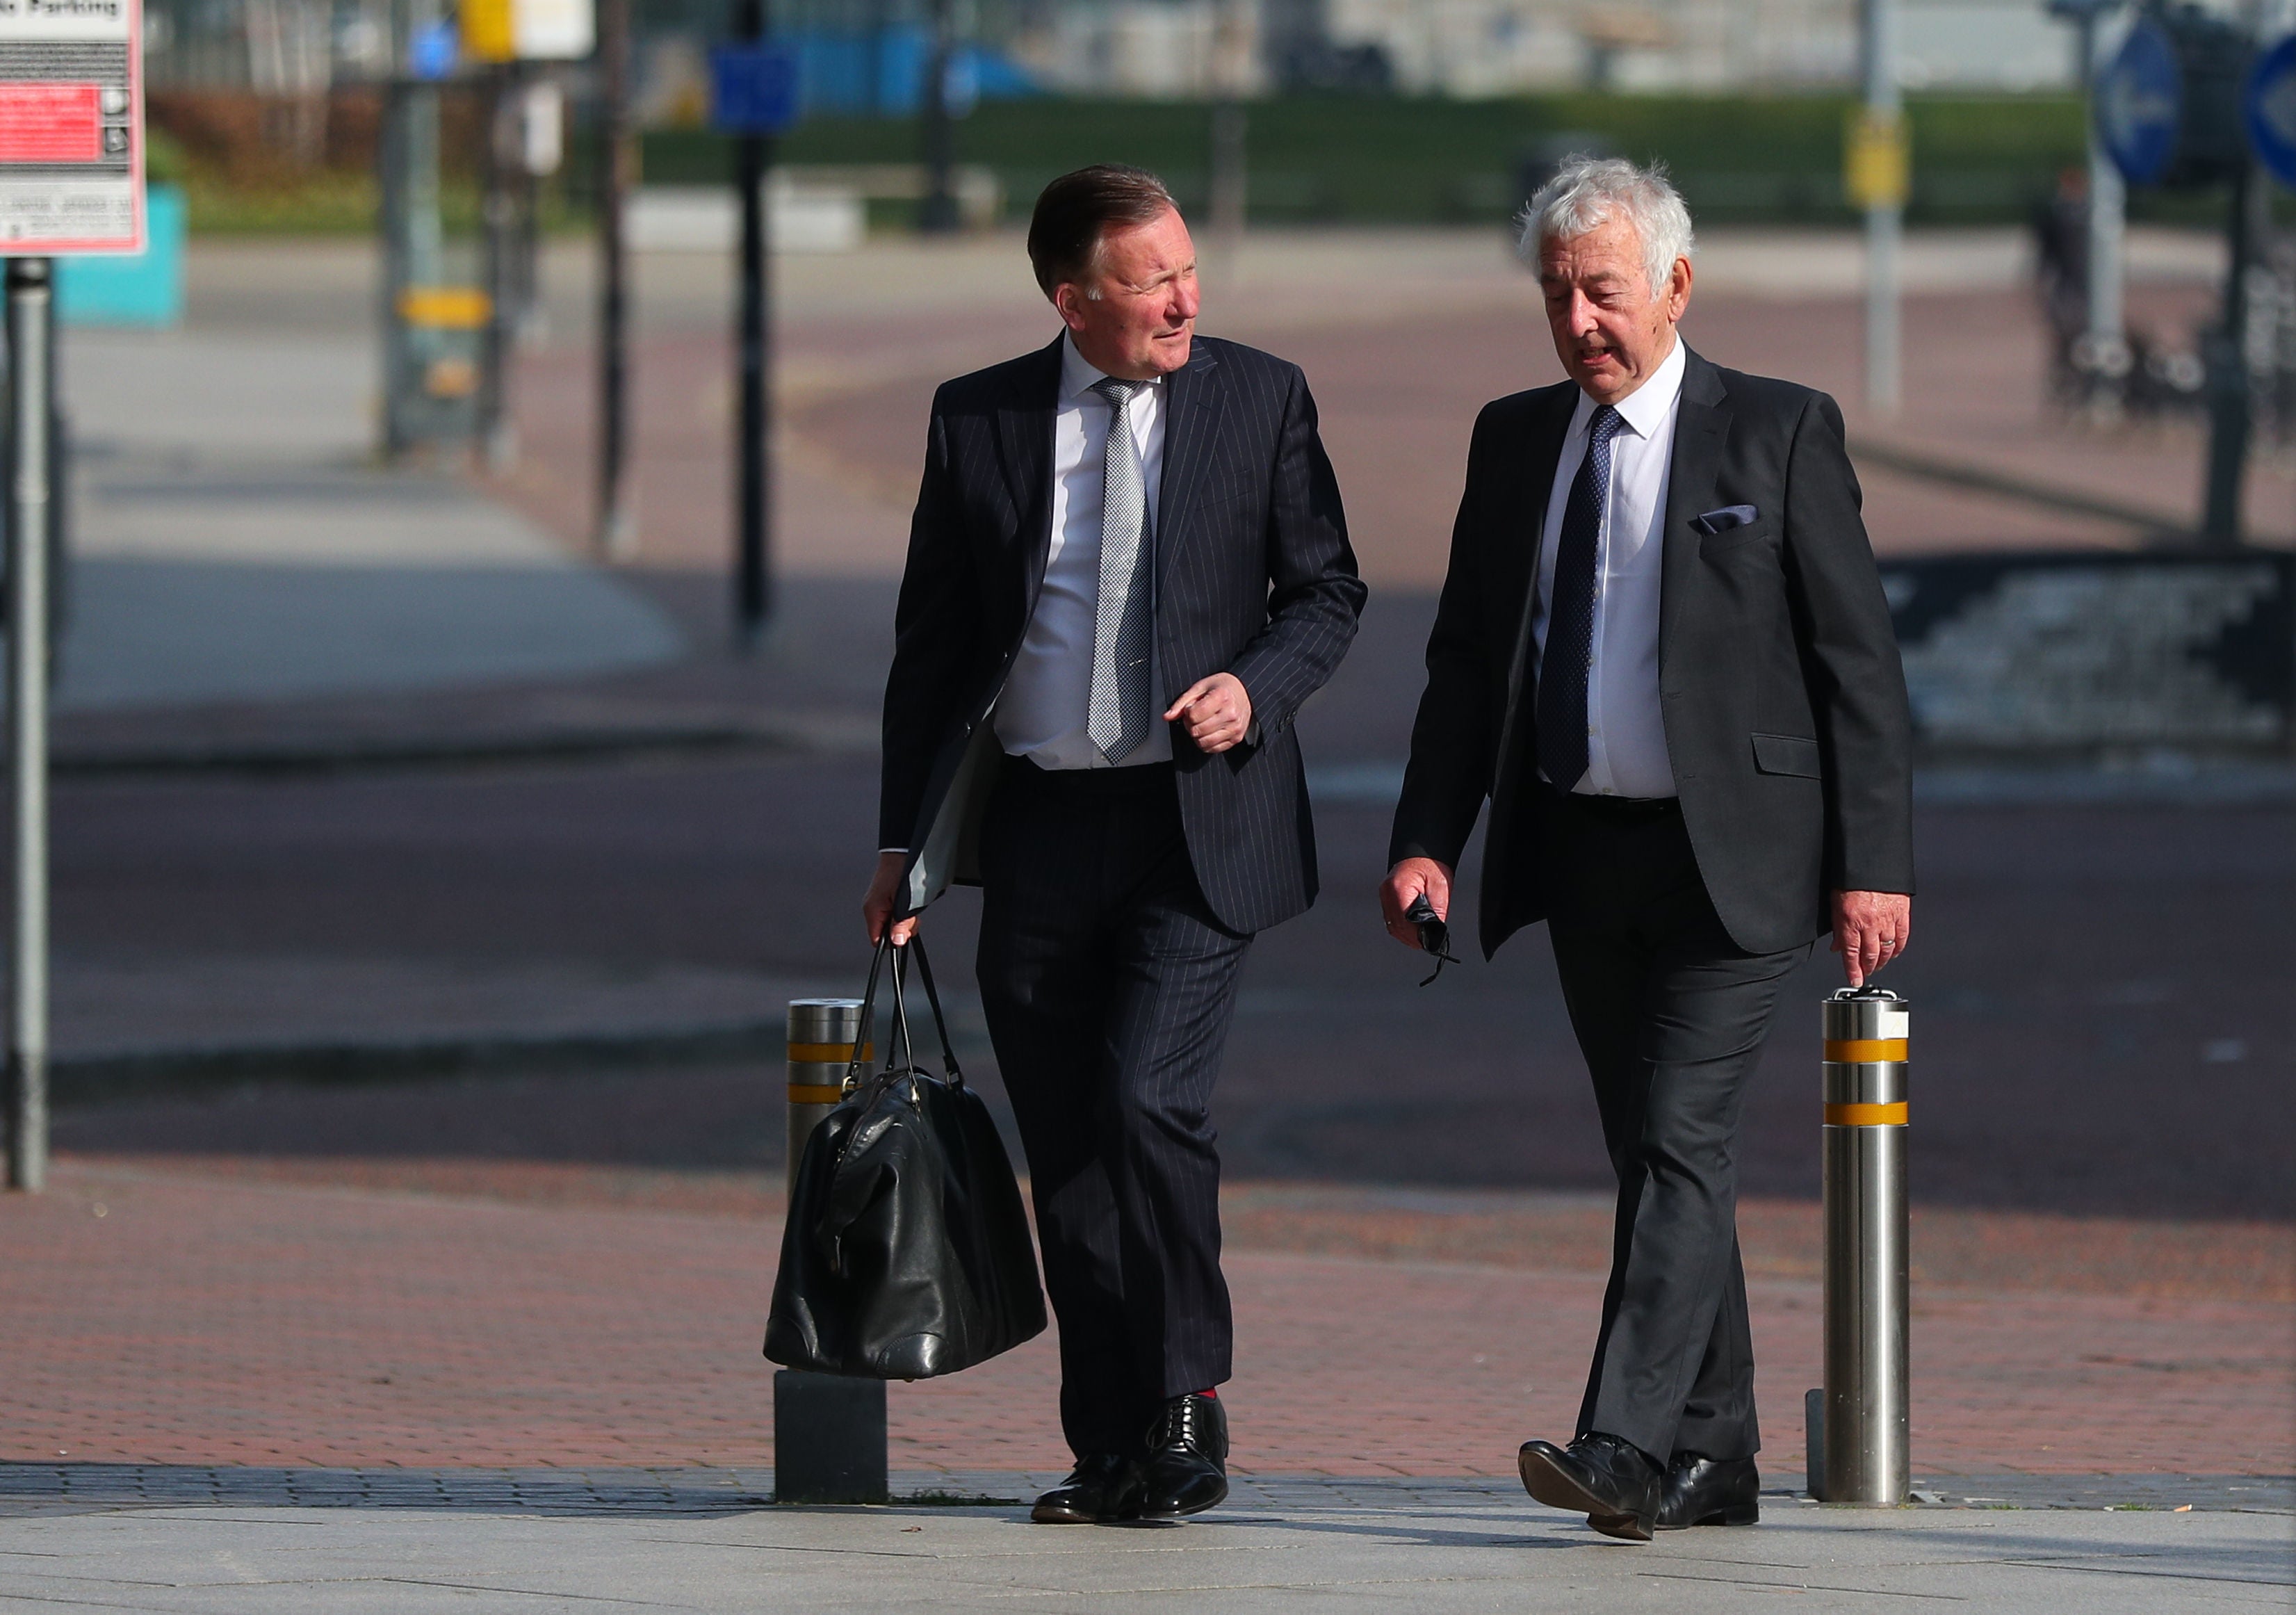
(426, 898)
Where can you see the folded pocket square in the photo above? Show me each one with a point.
(1724, 518)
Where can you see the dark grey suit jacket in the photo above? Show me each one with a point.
(1254, 577)
(1784, 704)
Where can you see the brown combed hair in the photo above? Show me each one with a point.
(1077, 209)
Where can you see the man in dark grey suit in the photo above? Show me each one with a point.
(1127, 569)
(1662, 654)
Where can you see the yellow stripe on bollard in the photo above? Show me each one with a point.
(1866, 1115)
(444, 307)
(1865, 1051)
(823, 1092)
(828, 1053)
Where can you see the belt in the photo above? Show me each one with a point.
(1613, 809)
(1140, 778)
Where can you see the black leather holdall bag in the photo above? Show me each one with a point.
(907, 1254)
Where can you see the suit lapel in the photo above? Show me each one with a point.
(1195, 400)
(1024, 439)
(1701, 426)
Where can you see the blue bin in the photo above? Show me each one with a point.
(143, 289)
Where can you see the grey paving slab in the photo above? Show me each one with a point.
(148, 633)
(231, 541)
(31, 1488)
(1458, 1548)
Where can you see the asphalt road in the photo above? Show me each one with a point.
(2101, 1020)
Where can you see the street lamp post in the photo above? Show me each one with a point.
(937, 214)
(1878, 177)
(617, 522)
(753, 515)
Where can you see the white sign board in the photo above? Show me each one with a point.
(528, 30)
(556, 30)
(71, 126)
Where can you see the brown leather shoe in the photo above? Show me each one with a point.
(1089, 1495)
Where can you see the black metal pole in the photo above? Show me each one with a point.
(937, 214)
(391, 215)
(2226, 353)
(499, 157)
(752, 581)
(873, 96)
(617, 163)
(30, 417)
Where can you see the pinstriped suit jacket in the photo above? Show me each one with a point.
(1254, 577)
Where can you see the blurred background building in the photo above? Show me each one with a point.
(1375, 111)
(867, 54)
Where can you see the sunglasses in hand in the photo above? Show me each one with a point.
(1434, 936)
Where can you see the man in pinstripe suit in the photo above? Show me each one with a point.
(1127, 570)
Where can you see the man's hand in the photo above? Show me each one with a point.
(877, 907)
(1409, 879)
(1870, 929)
(1218, 711)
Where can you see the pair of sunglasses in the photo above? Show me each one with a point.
(1434, 936)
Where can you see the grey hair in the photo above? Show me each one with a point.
(1586, 191)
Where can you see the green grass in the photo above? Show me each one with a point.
(1363, 159)
(324, 204)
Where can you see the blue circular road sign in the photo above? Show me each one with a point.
(2269, 108)
(2140, 104)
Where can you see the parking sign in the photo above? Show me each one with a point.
(71, 126)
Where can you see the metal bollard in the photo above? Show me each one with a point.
(1865, 1448)
(821, 1033)
(829, 1431)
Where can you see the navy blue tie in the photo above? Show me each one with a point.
(1570, 653)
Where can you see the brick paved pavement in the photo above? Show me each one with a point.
(192, 1321)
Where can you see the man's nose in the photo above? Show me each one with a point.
(1185, 299)
(1582, 315)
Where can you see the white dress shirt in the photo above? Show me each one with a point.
(1626, 732)
(1043, 711)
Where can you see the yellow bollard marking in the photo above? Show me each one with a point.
(1866, 1115)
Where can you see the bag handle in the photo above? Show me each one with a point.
(900, 1050)
(901, 1039)
(866, 1030)
(940, 1022)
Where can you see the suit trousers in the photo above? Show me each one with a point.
(1109, 987)
(1671, 1016)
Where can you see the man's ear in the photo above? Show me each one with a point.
(1066, 297)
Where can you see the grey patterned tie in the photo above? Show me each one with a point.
(1124, 619)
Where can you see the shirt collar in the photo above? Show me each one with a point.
(1643, 411)
(1079, 375)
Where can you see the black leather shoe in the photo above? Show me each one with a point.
(1709, 1491)
(1090, 1494)
(1612, 1482)
(1186, 1471)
